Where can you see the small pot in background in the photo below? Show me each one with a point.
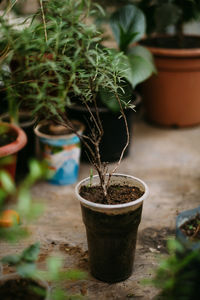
(26, 122)
(62, 153)
(180, 220)
(112, 231)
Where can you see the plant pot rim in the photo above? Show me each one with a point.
(15, 146)
(41, 282)
(173, 52)
(56, 137)
(23, 124)
(113, 207)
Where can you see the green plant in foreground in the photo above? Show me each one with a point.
(25, 263)
(177, 276)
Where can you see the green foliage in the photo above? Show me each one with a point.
(26, 207)
(128, 26)
(25, 261)
(162, 13)
(56, 58)
(177, 277)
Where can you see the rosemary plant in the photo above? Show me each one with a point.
(58, 58)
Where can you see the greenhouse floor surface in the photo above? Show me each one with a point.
(168, 160)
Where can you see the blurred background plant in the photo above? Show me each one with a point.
(14, 226)
(177, 277)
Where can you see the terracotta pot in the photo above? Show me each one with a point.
(172, 97)
(11, 149)
(26, 122)
(112, 231)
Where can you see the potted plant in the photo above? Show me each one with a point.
(88, 69)
(187, 229)
(172, 97)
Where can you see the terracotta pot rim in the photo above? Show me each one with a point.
(56, 137)
(16, 145)
(190, 52)
(113, 208)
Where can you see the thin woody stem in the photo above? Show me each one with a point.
(127, 140)
(44, 22)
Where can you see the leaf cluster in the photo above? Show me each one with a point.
(56, 58)
(129, 25)
(162, 13)
(26, 207)
(177, 277)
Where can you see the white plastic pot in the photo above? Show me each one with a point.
(112, 230)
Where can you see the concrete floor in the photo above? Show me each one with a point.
(168, 161)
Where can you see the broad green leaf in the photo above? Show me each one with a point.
(26, 269)
(145, 53)
(30, 254)
(7, 182)
(137, 69)
(128, 23)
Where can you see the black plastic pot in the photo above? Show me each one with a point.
(114, 138)
(112, 232)
(180, 220)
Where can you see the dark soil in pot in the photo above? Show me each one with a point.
(191, 228)
(21, 289)
(117, 194)
(172, 42)
(7, 137)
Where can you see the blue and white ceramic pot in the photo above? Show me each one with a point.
(61, 151)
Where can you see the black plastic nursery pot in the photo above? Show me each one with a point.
(114, 138)
(112, 232)
(180, 220)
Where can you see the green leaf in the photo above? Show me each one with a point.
(54, 265)
(109, 100)
(7, 182)
(145, 53)
(136, 69)
(26, 269)
(11, 259)
(128, 25)
(30, 254)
